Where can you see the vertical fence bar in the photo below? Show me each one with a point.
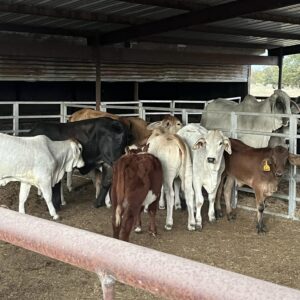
(293, 170)
(16, 118)
(108, 286)
(184, 117)
(233, 134)
(63, 112)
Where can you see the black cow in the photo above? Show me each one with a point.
(103, 141)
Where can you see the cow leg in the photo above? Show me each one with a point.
(105, 184)
(56, 196)
(199, 201)
(152, 212)
(116, 222)
(162, 199)
(138, 222)
(227, 195)
(47, 193)
(126, 224)
(177, 196)
(211, 209)
(260, 205)
(23, 195)
(189, 196)
(218, 209)
(169, 194)
(69, 181)
(63, 202)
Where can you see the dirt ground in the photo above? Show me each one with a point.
(233, 246)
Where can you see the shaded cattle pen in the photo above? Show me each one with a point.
(122, 52)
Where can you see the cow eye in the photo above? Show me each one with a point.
(221, 143)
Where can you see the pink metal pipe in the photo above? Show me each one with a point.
(162, 274)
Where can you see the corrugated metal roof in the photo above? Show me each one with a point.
(135, 13)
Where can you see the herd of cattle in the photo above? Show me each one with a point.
(163, 160)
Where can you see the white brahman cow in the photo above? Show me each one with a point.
(175, 158)
(207, 147)
(37, 161)
(278, 103)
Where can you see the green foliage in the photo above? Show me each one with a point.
(269, 74)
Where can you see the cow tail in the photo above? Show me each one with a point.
(118, 215)
(184, 156)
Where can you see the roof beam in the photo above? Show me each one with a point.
(112, 55)
(202, 42)
(211, 14)
(176, 4)
(67, 14)
(274, 18)
(285, 50)
(245, 32)
(45, 30)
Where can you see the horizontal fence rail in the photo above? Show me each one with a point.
(159, 273)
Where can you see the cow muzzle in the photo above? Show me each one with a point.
(211, 160)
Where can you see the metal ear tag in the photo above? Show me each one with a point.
(266, 167)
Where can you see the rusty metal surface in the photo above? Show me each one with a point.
(162, 274)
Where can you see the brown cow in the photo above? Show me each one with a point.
(137, 181)
(259, 168)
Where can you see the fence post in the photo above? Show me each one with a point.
(184, 117)
(108, 286)
(293, 170)
(16, 118)
(63, 112)
(233, 134)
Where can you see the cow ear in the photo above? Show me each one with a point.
(199, 144)
(294, 159)
(145, 148)
(227, 145)
(154, 125)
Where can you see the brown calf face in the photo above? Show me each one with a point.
(278, 160)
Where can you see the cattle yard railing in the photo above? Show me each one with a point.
(139, 108)
(162, 274)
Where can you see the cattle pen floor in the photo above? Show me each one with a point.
(233, 246)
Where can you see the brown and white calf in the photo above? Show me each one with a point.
(137, 181)
(259, 168)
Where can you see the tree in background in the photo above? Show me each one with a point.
(269, 75)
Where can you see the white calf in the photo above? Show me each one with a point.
(175, 158)
(37, 161)
(207, 147)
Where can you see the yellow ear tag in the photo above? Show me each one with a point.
(266, 167)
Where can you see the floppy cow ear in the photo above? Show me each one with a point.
(227, 145)
(199, 144)
(266, 164)
(154, 125)
(294, 159)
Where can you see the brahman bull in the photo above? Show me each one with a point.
(279, 103)
(37, 161)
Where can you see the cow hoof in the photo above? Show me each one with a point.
(56, 217)
(138, 229)
(191, 227)
(154, 234)
(261, 229)
(212, 220)
(70, 190)
(108, 205)
(168, 227)
(231, 216)
(198, 226)
(97, 205)
(218, 214)
(177, 206)
(161, 207)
